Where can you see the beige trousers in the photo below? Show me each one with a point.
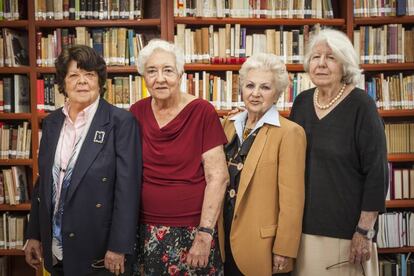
(316, 253)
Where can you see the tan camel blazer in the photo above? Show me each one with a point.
(269, 206)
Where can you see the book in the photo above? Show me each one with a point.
(21, 94)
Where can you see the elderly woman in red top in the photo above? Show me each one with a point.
(184, 171)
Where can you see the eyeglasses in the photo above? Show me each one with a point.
(165, 72)
(99, 264)
(345, 262)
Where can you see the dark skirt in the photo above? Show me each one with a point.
(162, 250)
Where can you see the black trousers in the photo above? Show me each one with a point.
(57, 270)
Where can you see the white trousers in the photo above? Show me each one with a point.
(316, 253)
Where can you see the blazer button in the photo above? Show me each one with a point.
(98, 205)
(104, 179)
(71, 235)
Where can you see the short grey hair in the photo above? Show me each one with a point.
(159, 44)
(268, 62)
(342, 49)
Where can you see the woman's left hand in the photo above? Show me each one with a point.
(360, 249)
(200, 250)
(279, 262)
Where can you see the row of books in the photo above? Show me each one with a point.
(396, 265)
(401, 183)
(395, 229)
(14, 94)
(254, 9)
(15, 141)
(391, 43)
(88, 9)
(118, 46)
(13, 48)
(121, 91)
(12, 231)
(399, 137)
(390, 92)
(210, 45)
(125, 91)
(48, 96)
(364, 8)
(223, 91)
(13, 185)
(11, 9)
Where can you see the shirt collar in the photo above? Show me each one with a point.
(271, 117)
(84, 114)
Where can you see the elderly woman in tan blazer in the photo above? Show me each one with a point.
(260, 227)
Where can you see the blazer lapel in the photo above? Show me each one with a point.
(250, 163)
(92, 145)
(54, 129)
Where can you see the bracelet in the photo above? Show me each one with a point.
(206, 230)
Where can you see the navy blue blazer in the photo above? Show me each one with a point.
(102, 205)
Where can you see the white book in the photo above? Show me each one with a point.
(397, 184)
(197, 84)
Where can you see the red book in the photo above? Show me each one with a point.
(40, 96)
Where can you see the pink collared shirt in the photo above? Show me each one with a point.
(70, 134)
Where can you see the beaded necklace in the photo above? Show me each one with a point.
(323, 107)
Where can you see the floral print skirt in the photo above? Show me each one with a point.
(162, 250)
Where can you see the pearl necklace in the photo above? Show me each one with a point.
(323, 107)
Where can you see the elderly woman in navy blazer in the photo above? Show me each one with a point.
(85, 204)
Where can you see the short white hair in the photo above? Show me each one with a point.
(159, 44)
(342, 49)
(267, 62)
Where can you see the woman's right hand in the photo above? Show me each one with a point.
(33, 253)
(200, 250)
(235, 111)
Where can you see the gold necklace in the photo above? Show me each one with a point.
(323, 107)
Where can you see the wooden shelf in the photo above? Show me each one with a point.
(400, 203)
(16, 162)
(382, 20)
(14, 23)
(407, 249)
(257, 21)
(97, 23)
(15, 116)
(15, 70)
(396, 113)
(110, 69)
(231, 67)
(401, 157)
(19, 207)
(388, 67)
(11, 252)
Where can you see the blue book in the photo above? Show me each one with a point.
(401, 7)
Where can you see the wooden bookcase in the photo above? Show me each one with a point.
(159, 16)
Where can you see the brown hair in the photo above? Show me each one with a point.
(86, 59)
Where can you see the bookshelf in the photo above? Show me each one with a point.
(159, 18)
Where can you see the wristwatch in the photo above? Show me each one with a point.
(206, 230)
(368, 234)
